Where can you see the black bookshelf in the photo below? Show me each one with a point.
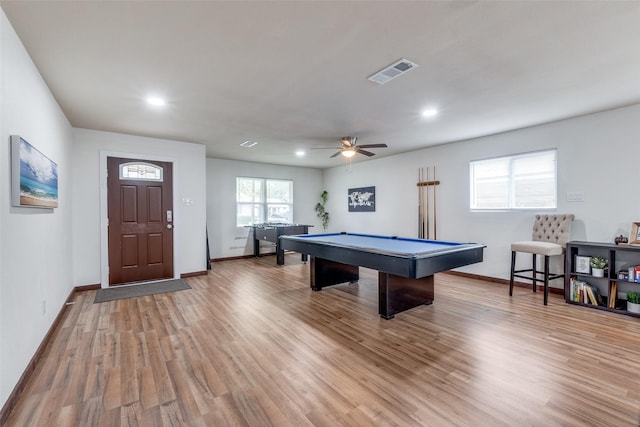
(619, 257)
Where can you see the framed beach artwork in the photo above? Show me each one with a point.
(34, 177)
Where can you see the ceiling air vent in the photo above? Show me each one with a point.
(392, 71)
(248, 144)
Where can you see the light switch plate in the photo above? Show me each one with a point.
(575, 196)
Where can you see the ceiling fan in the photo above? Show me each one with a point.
(350, 147)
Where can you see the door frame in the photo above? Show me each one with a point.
(104, 231)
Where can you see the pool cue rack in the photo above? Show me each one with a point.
(427, 203)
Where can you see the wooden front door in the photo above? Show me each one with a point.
(140, 215)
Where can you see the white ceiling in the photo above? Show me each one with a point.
(293, 75)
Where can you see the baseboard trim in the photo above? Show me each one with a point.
(552, 290)
(13, 398)
(231, 258)
(193, 274)
(83, 288)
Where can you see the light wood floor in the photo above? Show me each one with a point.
(252, 345)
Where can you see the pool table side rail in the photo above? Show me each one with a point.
(386, 239)
(411, 266)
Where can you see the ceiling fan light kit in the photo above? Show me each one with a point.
(348, 153)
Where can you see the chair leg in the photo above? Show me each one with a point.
(546, 279)
(534, 269)
(513, 268)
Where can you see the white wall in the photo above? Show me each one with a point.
(35, 244)
(227, 240)
(596, 155)
(4, 185)
(44, 253)
(189, 217)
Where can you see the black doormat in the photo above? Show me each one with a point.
(140, 290)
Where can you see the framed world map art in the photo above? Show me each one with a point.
(362, 199)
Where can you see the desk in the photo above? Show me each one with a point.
(270, 232)
(405, 266)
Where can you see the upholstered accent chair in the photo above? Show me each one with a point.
(550, 236)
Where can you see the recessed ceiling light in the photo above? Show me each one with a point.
(248, 144)
(154, 100)
(430, 112)
(300, 153)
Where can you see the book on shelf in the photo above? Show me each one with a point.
(574, 289)
(594, 295)
(583, 292)
(577, 290)
(613, 293)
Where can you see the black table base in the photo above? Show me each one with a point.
(395, 293)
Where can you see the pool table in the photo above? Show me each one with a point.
(405, 266)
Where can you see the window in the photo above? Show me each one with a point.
(521, 181)
(262, 200)
(141, 171)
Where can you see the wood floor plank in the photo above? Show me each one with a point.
(225, 413)
(164, 387)
(251, 345)
(93, 413)
(112, 397)
(69, 416)
(129, 391)
(181, 379)
(148, 390)
(171, 415)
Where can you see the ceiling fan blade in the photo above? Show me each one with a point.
(373, 146)
(337, 154)
(366, 153)
(348, 141)
(326, 148)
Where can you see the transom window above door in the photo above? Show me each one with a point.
(141, 171)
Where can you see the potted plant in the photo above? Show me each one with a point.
(322, 214)
(633, 302)
(598, 265)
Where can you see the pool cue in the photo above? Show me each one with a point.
(421, 196)
(427, 204)
(420, 205)
(435, 211)
(421, 199)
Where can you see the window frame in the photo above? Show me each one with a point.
(262, 204)
(512, 178)
(123, 166)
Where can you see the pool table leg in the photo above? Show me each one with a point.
(397, 294)
(279, 254)
(326, 273)
(256, 245)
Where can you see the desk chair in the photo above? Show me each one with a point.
(550, 236)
